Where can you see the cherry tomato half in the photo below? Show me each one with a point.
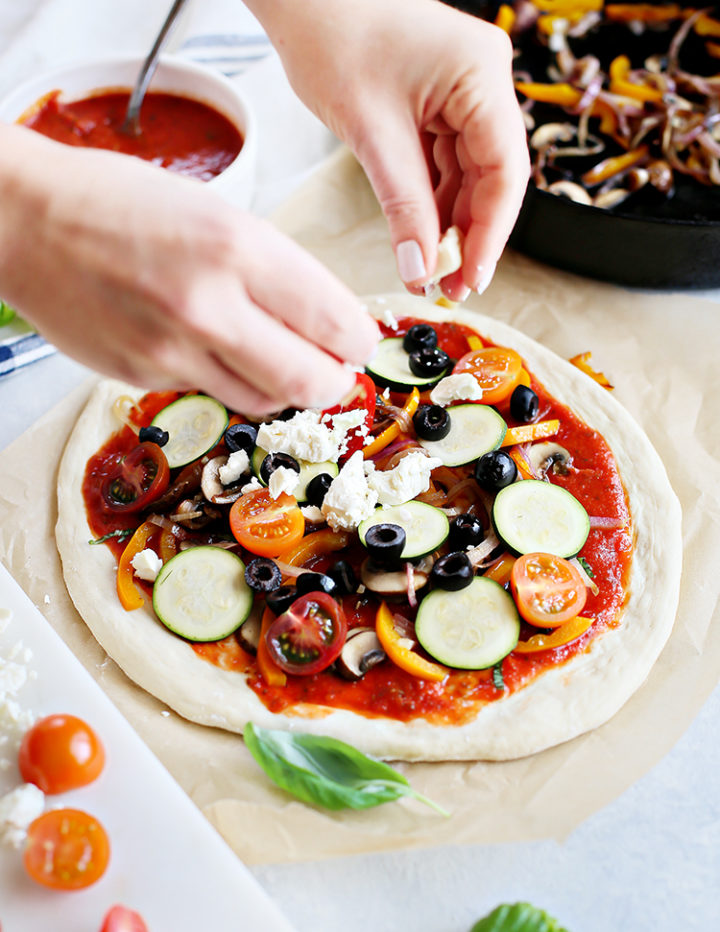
(66, 849)
(265, 525)
(309, 635)
(140, 477)
(122, 919)
(60, 753)
(362, 396)
(496, 368)
(548, 590)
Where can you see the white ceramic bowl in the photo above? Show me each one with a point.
(174, 75)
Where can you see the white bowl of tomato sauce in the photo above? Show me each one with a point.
(193, 120)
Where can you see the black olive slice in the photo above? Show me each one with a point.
(263, 575)
(466, 530)
(495, 470)
(315, 582)
(241, 437)
(317, 487)
(274, 461)
(280, 600)
(344, 576)
(385, 542)
(153, 434)
(452, 572)
(428, 362)
(431, 422)
(524, 404)
(420, 336)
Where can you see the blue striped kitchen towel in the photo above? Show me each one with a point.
(19, 351)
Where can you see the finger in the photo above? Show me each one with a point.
(448, 187)
(227, 386)
(395, 162)
(300, 291)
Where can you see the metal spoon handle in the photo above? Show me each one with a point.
(132, 117)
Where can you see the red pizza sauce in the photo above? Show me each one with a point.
(180, 134)
(386, 690)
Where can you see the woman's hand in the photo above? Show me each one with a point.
(424, 97)
(150, 278)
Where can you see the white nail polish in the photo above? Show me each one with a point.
(486, 277)
(410, 261)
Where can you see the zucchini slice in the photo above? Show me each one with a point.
(425, 526)
(390, 368)
(475, 429)
(470, 629)
(308, 471)
(195, 424)
(532, 516)
(201, 594)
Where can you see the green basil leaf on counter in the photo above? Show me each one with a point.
(6, 313)
(517, 917)
(327, 772)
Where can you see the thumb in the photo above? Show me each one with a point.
(395, 163)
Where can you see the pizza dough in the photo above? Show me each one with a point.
(560, 704)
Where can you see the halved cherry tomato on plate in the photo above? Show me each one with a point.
(496, 368)
(265, 525)
(60, 753)
(66, 849)
(361, 396)
(309, 635)
(140, 477)
(548, 590)
(122, 919)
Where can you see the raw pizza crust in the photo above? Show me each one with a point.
(560, 704)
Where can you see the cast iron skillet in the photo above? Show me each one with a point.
(648, 242)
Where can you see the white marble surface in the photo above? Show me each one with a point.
(648, 861)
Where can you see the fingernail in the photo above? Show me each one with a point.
(485, 276)
(410, 261)
(461, 294)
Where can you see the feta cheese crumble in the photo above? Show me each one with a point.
(461, 387)
(147, 564)
(283, 480)
(18, 809)
(310, 435)
(409, 478)
(237, 464)
(251, 486)
(349, 500)
(312, 514)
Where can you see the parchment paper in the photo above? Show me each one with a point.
(661, 353)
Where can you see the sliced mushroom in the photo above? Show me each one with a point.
(248, 634)
(362, 651)
(213, 489)
(546, 456)
(611, 198)
(637, 178)
(570, 190)
(549, 133)
(660, 175)
(392, 582)
(194, 513)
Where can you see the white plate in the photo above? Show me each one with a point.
(167, 862)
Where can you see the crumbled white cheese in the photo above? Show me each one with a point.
(312, 514)
(312, 436)
(18, 809)
(461, 387)
(349, 500)
(251, 486)
(449, 255)
(237, 464)
(147, 564)
(389, 319)
(282, 480)
(409, 478)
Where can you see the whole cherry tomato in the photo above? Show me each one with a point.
(60, 753)
(122, 919)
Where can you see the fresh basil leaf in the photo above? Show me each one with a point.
(121, 535)
(326, 772)
(497, 675)
(6, 313)
(517, 917)
(586, 566)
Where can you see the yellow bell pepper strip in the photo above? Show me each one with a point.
(563, 94)
(563, 7)
(707, 26)
(619, 71)
(314, 545)
(521, 463)
(527, 433)
(613, 166)
(269, 670)
(643, 12)
(442, 301)
(391, 432)
(168, 545)
(401, 655)
(582, 362)
(563, 634)
(505, 18)
(474, 343)
(501, 569)
(713, 49)
(129, 594)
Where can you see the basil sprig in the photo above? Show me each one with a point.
(327, 772)
(121, 535)
(517, 917)
(6, 313)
